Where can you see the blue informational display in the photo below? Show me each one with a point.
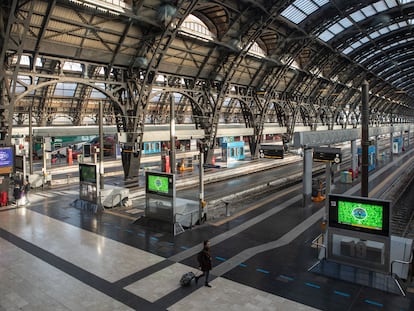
(6, 156)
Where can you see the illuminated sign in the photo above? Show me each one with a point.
(359, 214)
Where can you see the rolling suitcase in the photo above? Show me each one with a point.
(187, 278)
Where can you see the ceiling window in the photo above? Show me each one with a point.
(299, 10)
(355, 17)
(193, 26)
(65, 89)
(96, 94)
(71, 66)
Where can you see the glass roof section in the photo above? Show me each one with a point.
(386, 49)
(65, 89)
(377, 34)
(356, 17)
(299, 10)
(96, 94)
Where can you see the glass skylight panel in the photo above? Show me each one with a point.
(383, 31)
(336, 28)
(358, 16)
(345, 22)
(374, 35)
(71, 66)
(356, 45)
(396, 26)
(321, 2)
(177, 97)
(98, 94)
(326, 36)
(347, 50)
(65, 89)
(380, 6)
(405, 1)
(301, 9)
(293, 14)
(368, 11)
(308, 7)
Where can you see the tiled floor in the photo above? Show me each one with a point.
(56, 257)
(46, 264)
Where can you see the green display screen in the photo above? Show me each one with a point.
(362, 215)
(87, 173)
(359, 214)
(157, 183)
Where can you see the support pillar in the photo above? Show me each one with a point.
(328, 178)
(364, 138)
(354, 156)
(173, 165)
(307, 176)
(377, 155)
(391, 142)
(101, 149)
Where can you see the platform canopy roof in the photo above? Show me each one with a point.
(301, 52)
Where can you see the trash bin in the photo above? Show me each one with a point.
(4, 198)
(346, 177)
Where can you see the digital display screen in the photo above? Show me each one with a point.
(6, 156)
(359, 214)
(159, 183)
(271, 151)
(87, 173)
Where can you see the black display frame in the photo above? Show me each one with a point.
(333, 214)
(169, 177)
(90, 168)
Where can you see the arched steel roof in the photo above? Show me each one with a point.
(315, 51)
(370, 33)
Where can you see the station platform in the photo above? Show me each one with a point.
(54, 256)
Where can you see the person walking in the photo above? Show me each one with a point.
(26, 189)
(205, 262)
(16, 193)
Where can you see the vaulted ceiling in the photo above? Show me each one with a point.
(316, 52)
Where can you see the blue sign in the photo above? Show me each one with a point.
(6, 156)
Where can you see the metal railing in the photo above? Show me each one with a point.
(395, 277)
(318, 246)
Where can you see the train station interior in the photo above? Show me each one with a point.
(133, 131)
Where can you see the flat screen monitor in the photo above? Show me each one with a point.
(271, 151)
(87, 173)
(19, 163)
(360, 214)
(159, 183)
